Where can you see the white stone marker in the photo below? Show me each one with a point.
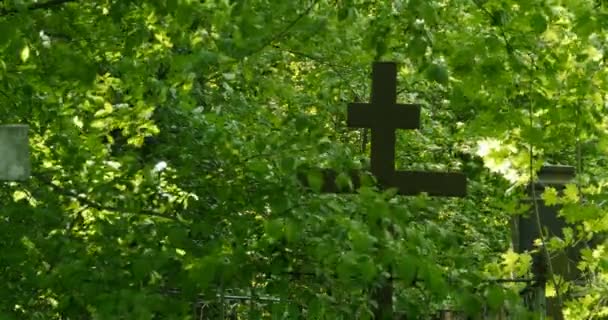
(14, 152)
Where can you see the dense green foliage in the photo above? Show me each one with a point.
(166, 138)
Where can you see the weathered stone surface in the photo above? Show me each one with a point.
(14, 151)
(525, 231)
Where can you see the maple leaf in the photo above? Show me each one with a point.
(550, 196)
(571, 193)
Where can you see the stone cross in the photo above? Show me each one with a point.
(14, 151)
(383, 116)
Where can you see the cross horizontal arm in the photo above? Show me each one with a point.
(329, 180)
(406, 182)
(400, 116)
(446, 184)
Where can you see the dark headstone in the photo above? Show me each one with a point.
(556, 177)
(526, 231)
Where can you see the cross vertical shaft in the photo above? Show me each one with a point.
(384, 95)
(384, 84)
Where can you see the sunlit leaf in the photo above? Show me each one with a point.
(571, 192)
(550, 196)
(25, 53)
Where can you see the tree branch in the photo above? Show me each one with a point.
(285, 30)
(36, 6)
(86, 201)
(501, 29)
(324, 62)
(269, 41)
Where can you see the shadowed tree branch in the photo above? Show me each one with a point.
(85, 200)
(272, 39)
(36, 6)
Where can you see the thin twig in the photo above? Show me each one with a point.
(268, 42)
(334, 68)
(503, 34)
(577, 133)
(285, 30)
(544, 249)
(95, 205)
(509, 280)
(321, 61)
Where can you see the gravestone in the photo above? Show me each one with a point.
(15, 154)
(525, 232)
(383, 115)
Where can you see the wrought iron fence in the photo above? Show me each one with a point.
(235, 305)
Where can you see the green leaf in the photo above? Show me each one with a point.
(603, 263)
(204, 270)
(470, 303)
(367, 269)
(438, 73)
(495, 297)
(7, 32)
(417, 47)
(367, 180)
(407, 266)
(433, 278)
(274, 228)
(25, 53)
(585, 24)
(292, 231)
(19, 195)
(538, 22)
(344, 182)
(571, 193)
(343, 13)
(463, 60)
(361, 240)
(510, 260)
(347, 267)
(550, 196)
(315, 180)
(279, 204)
